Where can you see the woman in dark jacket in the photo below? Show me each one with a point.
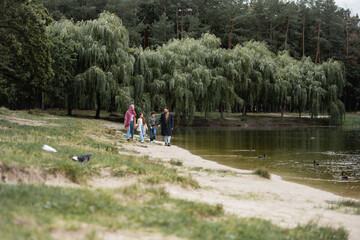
(167, 125)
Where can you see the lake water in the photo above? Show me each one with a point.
(289, 153)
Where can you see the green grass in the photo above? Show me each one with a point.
(352, 120)
(21, 147)
(346, 206)
(34, 211)
(30, 211)
(175, 162)
(262, 173)
(259, 119)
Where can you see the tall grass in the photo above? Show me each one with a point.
(347, 206)
(42, 208)
(262, 172)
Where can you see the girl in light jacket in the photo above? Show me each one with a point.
(141, 127)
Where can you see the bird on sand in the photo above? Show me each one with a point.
(83, 158)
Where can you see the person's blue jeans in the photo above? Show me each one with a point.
(130, 130)
(152, 134)
(142, 133)
(167, 139)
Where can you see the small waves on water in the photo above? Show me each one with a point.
(328, 166)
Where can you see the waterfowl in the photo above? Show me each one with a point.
(315, 164)
(343, 176)
(82, 159)
(252, 150)
(262, 156)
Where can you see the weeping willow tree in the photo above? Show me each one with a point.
(287, 80)
(62, 89)
(104, 62)
(148, 83)
(334, 83)
(300, 86)
(254, 71)
(187, 75)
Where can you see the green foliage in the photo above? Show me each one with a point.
(96, 69)
(63, 88)
(72, 141)
(347, 206)
(130, 208)
(176, 162)
(262, 173)
(104, 61)
(25, 64)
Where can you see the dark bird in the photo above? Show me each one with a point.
(315, 164)
(83, 158)
(343, 176)
(69, 124)
(262, 156)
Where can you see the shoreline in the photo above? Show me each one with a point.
(246, 195)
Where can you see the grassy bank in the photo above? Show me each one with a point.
(39, 211)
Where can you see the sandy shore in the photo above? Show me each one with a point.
(241, 193)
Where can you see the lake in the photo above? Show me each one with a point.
(289, 153)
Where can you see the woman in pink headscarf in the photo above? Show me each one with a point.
(129, 121)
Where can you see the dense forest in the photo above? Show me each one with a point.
(203, 55)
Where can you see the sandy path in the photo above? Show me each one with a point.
(284, 203)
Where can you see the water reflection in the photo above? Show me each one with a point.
(289, 153)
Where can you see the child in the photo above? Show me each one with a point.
(152, 126)
(141, 127)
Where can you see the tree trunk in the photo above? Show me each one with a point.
(347, 39)
(318, 46)
(230, 34)
(283, 109)
(42, 100)
(330, 42)
(270, 30)
(303, 36)
(182, 23)
(244, 110)
(177, 20)
(221, 111)
(98, 102)
(69, 109)
(144, 46)
(286, 34)
(148, 39)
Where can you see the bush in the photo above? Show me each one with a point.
(262, 172)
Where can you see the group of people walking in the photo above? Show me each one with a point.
(166, 122)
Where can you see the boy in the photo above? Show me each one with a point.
(152, 126)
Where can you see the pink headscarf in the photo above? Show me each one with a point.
(128, 114)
